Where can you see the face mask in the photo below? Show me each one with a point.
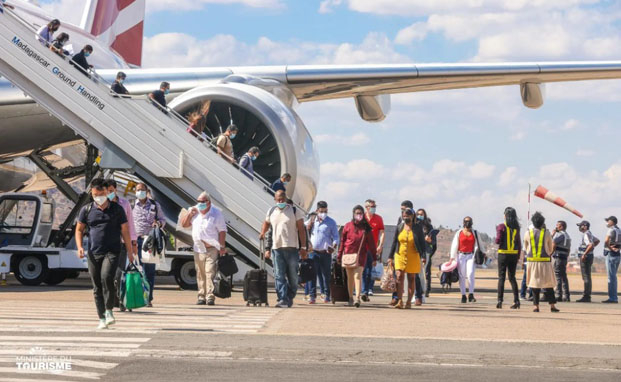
(202, 206)
(233, 136)
(86, 54)
(408, 220)
(468, 224)
(285, 183)
(121, 81)
(322, 215)
(112, 195)
(141, 195)
(100, 200)
(420, 217)
(372, 210)
(167, 91)
(281, 205)
(254, 158)
(358, 217)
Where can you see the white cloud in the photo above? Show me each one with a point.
(358, 139)
(187, 5)
(326, 6)
(508, 176)
(355, 169)
(481, 170)
(415, 32)
(571, 124)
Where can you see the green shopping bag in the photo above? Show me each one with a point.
(136, 289)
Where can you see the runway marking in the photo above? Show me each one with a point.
(80, 339)
(74, 361)
(66, 373)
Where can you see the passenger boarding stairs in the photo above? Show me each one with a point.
(134, 135)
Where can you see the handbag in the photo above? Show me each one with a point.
(136, 288)
(307, 271)
(222, 287)
(388, 282)
(350, 260)
(479, 256)
(227, 265)
(377, 271)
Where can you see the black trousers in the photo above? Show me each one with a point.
(549, 292)
(507, 264)
(102, 269)
(428, 274)
(562, 283)
(118, 275)
(585, 268)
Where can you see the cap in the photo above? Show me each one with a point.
(613, 218)
(584, 222)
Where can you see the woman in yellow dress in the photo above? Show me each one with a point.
(407, 247)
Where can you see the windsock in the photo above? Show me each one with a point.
(550, 196)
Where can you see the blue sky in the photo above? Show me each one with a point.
(465, 152)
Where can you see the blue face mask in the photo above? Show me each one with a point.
(202, 206)
(121, 81)
(111, 196)
(420, 217)
(285, 183)
(86, 54)
(233, 136)
(167, 91)
(254, 158)
(141, 195)
(281, 205)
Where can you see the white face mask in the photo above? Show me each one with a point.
(100, 200)
(322, 215)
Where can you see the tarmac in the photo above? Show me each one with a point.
(440, 340)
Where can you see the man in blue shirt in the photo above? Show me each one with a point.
(245, 163)
(324, 236)
(279, 185)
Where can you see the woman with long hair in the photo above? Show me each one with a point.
(508, 239)
(405, 255)
(465, 245)
(430, 247)
(357, 238)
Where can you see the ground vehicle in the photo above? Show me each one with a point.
(28, 245)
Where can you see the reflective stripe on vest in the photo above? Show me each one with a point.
(510, 242)
(536, 251)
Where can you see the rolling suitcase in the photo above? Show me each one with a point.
(255, 283)
(338, 284)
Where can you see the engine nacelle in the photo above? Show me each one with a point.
(264, 121)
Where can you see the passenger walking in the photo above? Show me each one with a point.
(197, 120)
(45, 34)
(431, 245)
(246, 161)
(465, 245)
(106, 223)
(118, 86)
(562, 247)
(612, 247)
(377, 226)
(357, 239)
(538, 246)
(147, 214)
(324, 236)
(408, 244)
(589, 242)
(209, 236)
(280, 184)
(288, 246)
(80, 60)
(224, 143)
(508, 239)
(406, 204)
(159, 96)
(59, 43)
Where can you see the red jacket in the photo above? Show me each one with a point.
(350, 243)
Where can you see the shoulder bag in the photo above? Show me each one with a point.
(350, 260)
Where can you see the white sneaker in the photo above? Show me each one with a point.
(370, 293)
(102, 324)
(109, 318)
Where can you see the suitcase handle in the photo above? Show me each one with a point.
(262, 254)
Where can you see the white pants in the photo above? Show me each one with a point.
(465, 265)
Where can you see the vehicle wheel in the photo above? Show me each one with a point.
(73, 274)
(31, 270)
(185, 275)
(55, 276)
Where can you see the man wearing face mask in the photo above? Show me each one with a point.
(224, 143)
(209, 236)
(377, 225)
(147, 213)
(117, 86)
(80, 62)
(288, 246)
(612, 246)
(246, 161)
(281, 184)
(107, 223)
(589, 242)
(159, 96)
(324, 236)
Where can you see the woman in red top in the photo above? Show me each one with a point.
(465, 245)
(357, 238)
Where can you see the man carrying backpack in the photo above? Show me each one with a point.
(288, 246)
(589, 242)
(612, 247)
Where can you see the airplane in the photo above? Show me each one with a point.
(115, 30)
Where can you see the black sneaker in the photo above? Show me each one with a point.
(365, 298)
(463, 299)
(201, 302)
(584, 299)
(471, 298)
(211, 302)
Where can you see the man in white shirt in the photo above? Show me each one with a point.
(612, 251)
(209, 236)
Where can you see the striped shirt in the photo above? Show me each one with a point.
(145, 215)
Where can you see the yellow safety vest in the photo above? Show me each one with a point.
(536, 253)
(510, 242)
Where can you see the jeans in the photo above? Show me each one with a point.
(585, 268)
(524, 288)
(323, 264)
(507, 263)
(562, 283)
(549, 293)
(367, 278)
(286, 262)
(612, 266)
(149, 269)
(418, 293)
(102, 269)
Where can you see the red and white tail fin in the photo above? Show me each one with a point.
(119, 24)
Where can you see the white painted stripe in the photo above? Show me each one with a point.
(74, 362)
(55, 329)
(137, 324)
(84, 339)
(181, 353)
(70, 344)
(66, 373)
(135, 317)
(85, 352)
(27, 380)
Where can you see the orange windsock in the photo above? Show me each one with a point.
(550, 196)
